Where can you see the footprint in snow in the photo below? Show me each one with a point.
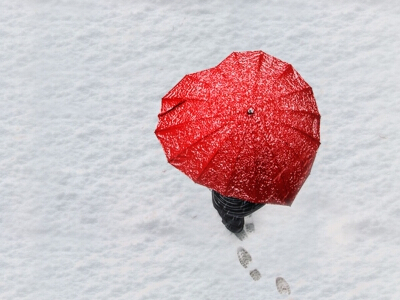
(282, 286)
(245, 259)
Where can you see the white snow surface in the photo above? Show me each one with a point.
(89, 206)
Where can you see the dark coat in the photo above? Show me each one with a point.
(233, 207)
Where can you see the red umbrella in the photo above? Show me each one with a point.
(247, 128)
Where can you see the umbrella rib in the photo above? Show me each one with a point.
(260, 61)
(236, 160)
(257, 76)
(257, 184)
(215, 154)
(220, 72)
(316, 115)
(259, 175)
(305, 112)
(257, 179)
(175, 126)
(191, 77)
(294, 92)
(197, 141)
(302, 132)
(291, 148)
(195, 78)
(281, 168)
(288, 145)
(283, 73)
(182, 101)
(179, 125)
(297, 91)
(288, 126)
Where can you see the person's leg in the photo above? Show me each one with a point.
(232, 223)
(233, 210)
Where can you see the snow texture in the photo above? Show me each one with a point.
(89, 206)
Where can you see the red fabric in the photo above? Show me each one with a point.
(247, 128)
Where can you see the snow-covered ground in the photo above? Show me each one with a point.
(89, 207)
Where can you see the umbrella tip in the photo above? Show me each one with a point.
(250, 111)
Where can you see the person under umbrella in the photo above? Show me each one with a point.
(248, 129)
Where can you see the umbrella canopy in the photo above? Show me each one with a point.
(247, 128)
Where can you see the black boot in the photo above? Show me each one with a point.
(234, 225)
